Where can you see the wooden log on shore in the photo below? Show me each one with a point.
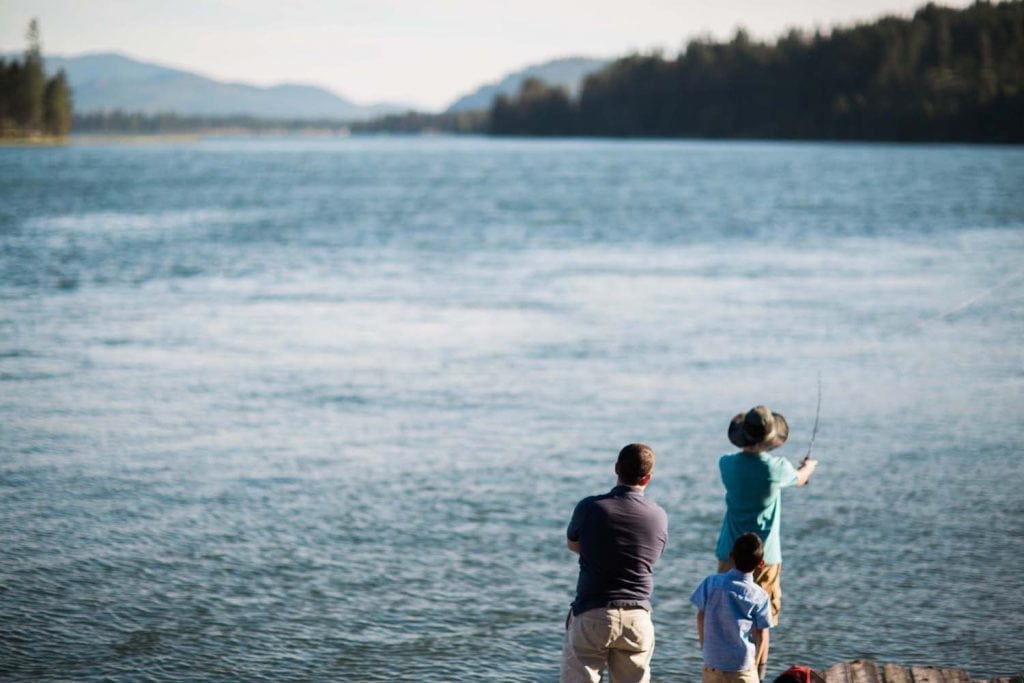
(866, 671)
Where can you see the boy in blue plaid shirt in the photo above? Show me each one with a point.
(733, 618)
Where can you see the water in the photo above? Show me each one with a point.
(320, 409)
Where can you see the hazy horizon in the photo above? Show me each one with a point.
(401, 52)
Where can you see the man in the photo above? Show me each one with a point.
(753, 481)
(618, 536)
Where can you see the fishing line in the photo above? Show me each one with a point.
(973, 300)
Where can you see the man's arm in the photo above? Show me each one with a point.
(761, 637)
(806, 469)
(700, 627)
(575, 529)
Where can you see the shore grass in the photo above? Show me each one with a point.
(34, 141)
(99, 138)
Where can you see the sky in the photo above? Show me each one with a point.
(422, 53)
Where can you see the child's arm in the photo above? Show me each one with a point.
(700, 627)
(761, 637)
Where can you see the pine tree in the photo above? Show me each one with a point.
(57, 105)
(33, 84)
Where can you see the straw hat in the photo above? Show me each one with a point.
(759, 430)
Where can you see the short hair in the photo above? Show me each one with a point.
(747, 552)
(635, 462)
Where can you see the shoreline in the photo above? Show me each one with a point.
(35, 141)
(321, 133)
(129, 138)
(133, 138)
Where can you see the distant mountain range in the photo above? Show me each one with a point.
(108, 81)
(568, 73)
(104, 82)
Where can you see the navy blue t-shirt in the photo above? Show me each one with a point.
(621, 535)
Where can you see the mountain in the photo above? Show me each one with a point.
(107, 81)
(568, 72)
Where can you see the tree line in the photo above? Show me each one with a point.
(135, 123)
(30, 103)
(419, 122)
(942, 75)
(118, 121)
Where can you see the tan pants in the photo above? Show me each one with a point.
(768, 577)
(715, 676)
(621, 639)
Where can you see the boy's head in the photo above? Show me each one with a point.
(748, 552)
(799, 674)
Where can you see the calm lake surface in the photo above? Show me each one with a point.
(297, 409)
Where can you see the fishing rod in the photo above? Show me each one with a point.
(817, 416)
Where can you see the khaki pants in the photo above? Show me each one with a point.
(768, 577)
(621, 639)
(715, 676)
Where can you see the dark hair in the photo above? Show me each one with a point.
(635, 462)
(786, 677)
(799, 674)
(747, 552)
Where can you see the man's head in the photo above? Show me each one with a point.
(748, 552)
(635, 464)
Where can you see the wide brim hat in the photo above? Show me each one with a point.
(759, 429)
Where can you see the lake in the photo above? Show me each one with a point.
(320, 409)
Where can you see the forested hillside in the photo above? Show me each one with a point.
(942, 75)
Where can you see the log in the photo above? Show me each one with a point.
(867, 671)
